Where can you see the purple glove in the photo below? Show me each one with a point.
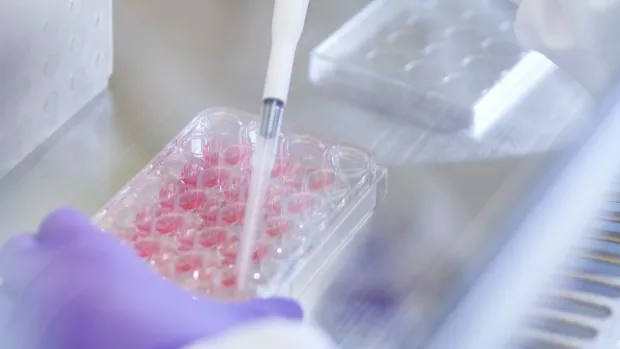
(76, 287)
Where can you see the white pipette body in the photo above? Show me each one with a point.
(289, 17)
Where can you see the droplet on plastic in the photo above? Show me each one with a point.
(280, 253)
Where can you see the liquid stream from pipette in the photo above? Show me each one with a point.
(263, 160)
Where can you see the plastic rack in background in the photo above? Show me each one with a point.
(442, 64)
(581, 310)
(184, 212)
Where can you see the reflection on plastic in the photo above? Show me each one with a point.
(393, 286)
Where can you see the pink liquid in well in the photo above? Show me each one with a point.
(229, 251)
(276, 197)
(237, 188)
(278, 226)
(280, 166)
(228, 278)
(295, 175)
(213, 237)
(214, 177)
(321, 180)
(207, 274)
(163, 258)
(147, 215)
(188, 263)
(127, 235)
(215, 150)
(192, 200)
(191, 171)
(147, 248)
(237, 155)
(299, 204)
(186, 239)
(233, 213)
(211, 158)
(261, 251)
(169, 224)
(272, 209)
(211, 215)
(169, 192)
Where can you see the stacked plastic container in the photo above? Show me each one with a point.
(436, 56)
(184, 212)
(55, 57)
(446, 65)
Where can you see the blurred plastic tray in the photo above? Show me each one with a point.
(183, 212)
(430, 61)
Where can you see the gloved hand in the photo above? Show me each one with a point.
(580, 36)
(77, 287)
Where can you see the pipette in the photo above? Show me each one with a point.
(287, 25)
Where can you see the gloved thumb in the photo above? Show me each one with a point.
(270, 307)
(64, 226)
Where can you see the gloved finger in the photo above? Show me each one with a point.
(542, 25)
(271, 307)
(63, 226)
(20, 262)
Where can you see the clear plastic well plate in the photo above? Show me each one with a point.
(183, 213)
(430, 61)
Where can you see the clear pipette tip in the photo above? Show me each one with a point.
(263, 160)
